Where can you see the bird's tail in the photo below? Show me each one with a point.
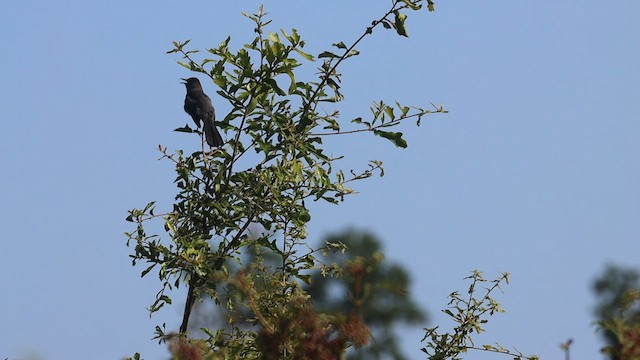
(212, 135)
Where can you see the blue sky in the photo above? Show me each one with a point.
(534, 171)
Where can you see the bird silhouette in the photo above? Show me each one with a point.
(198, 105)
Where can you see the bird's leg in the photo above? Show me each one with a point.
(202, 140)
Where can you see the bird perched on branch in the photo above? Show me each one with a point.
(198, 105)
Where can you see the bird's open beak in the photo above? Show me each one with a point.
(185, 81)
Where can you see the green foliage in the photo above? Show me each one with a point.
(618, 311)
(251, 194)
(273, 162)
(470, 314)
(624, 329)
(385, 301)
(378, 294)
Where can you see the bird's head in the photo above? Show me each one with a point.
(192, 83)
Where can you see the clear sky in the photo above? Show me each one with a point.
(534, 171)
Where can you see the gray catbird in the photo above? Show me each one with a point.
(198, 105)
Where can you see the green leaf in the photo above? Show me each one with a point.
(146, 271)
(304, 216)
(340, 45)
(389, 111)
(304, 54)
(186, 65)
(292, 85)
(185, 129)
(252, 105)
(412, 4)
(327, 54)
(394, 137)
(403, 109)
(274, 85)
(332, 124)
(399, 23)
(274, 37)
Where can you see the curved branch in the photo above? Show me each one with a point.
(323, 81)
